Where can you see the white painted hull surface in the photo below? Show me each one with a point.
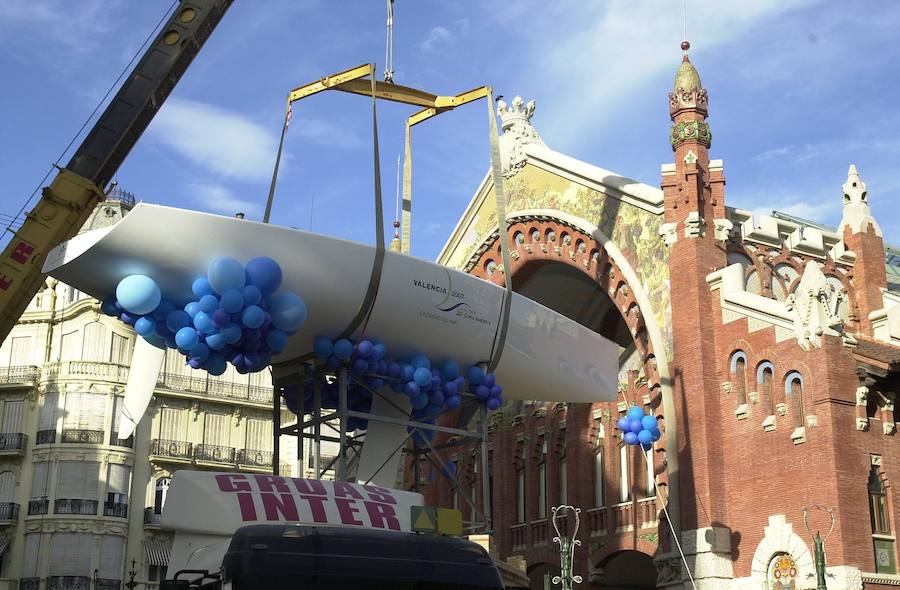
(421, 308)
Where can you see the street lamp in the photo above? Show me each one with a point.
(819, 543)
(566, 547)
(130, 584)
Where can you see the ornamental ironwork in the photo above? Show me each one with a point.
(566, 544)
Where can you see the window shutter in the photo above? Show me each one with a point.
(49, 409)
(70, 346)
(112, 551)
(94, 334)
(117, 479)
(72, 412)
(70, 554)
(117, 410)
(120, 352)
(32, 553)
(12, 416)
(78, 479)
(259, 435)
(215, 429)
(170, 422)
(7, 486)
(85, 411)
(39, 479)
(20, 353)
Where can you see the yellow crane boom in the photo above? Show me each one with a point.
(66, 204)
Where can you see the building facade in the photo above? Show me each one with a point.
(767, 346)
(79, 506)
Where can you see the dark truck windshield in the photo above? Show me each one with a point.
(297, 557)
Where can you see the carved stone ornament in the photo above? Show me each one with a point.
(811, 305)
(693, 225)
(695, 98)
(694, 131)
(668, 570)
(723, 229)
(517, 133)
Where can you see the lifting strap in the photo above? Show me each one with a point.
(503, 230)
(368, 301)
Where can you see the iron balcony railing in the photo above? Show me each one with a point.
(107, 584)
(115, 441)
(38, 505)
(85, 437)
(215, 388)
(255, 458)
(69, 583)
(29, 583)
(19, 374)
(117, 509)
(45, 437)
(92, 369)
(214, 453)
(13, 441)
(171, 448)
(9, 511)
(75, 506)
(151, 516)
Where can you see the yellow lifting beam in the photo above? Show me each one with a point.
(358, 80)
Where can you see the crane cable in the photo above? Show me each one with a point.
(126, 69)
(389, 44)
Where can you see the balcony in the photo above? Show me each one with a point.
(519, 537)
(214, 453)
(82, 437)
(88, 369)
(648, 514)
(29, 583)
(539, 532)
(215, 388)
(597, 521)
(75, 506)
(68, 583)
(107, 584)
(151, 517)
(9, 512)
(19, 375)
(254, 458)
(116, 509)
(45, 437)
(38, 506)
(115, 441)
(13, 443)
(173, 449)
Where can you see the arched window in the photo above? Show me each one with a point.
(785, 279)
(878, 511)
(162, 488)
(739, 375)
(764, 375)
(793, 391)
(752, 282)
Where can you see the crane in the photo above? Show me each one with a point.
(76, 189)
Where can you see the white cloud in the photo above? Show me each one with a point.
(221, 199)
(818, 211)
(436, 36)
(221, 141)
(60, 25)
(326, 133)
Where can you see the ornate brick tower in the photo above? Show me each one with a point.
(863, 236)
(693, 189)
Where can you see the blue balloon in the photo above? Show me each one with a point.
(364, 348)
(253, 316)
(163, 310)
(411, 389)
(407, 372)
(420, 361)
(483, 392)
(201, 287)
(216, 365)
(635, 413)
(635, 426)
(194, 363)
(221, 318)
(203, 323)
(360, 365)
(655, 435)
(623, 424)
(231, 333)
(452, 402)
(208, 303)
(475, 375)
(379, 350)
(200, 351)
(450, 387)
(437, 396)
(644, 437)
(177, 320)
(265, 273)
(489, 379)
(646, 446)
(277, 340)
(460, 383)
(631, 438)
(225, 273)
(450, 370)
(232, 301)
(170, 341)
(648, 422)
(108, 307)
(128, 318)
(187, 338)
(393, 370)
(251, 294)
(343, 349)
(422, 376)
(493, 403)
(192, 308)
(323, 347)
(163, 331)
(216, 341)
(496, 391)
(420, 401)
(252, 335)
(144, 326)
(333, 362)
(156, 341)
(288, 311)
(138, 294)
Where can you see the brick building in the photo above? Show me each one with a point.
(767, 346)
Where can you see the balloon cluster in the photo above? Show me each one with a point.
(236, 315)
(639, 428)
(430, 387)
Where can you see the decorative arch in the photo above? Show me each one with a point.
(790, 378)
(780, 538)
(762, 367)
(735, 356)
(585, 247)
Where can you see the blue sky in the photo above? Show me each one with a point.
(799, 89)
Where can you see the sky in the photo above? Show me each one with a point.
(798, 90)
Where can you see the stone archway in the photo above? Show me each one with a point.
(625, 570)
(780, 539)
(545, 235)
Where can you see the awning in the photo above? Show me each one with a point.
(4, 543)
(157, 551)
